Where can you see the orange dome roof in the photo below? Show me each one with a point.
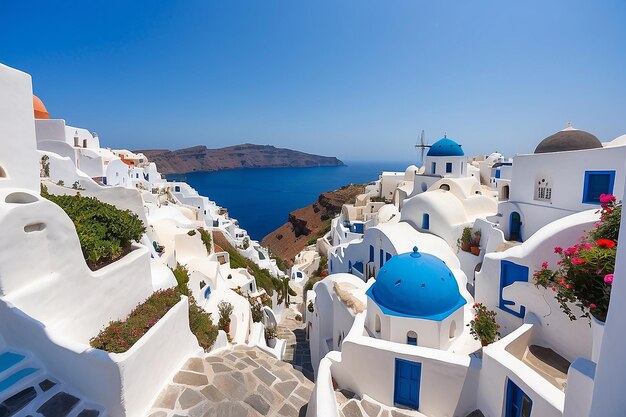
(40, 109)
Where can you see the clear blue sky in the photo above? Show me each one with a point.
(355, 79)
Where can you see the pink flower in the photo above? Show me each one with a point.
(578, 261)
(571, 251)
(608, 278)
(544, 265)
(587, 246)
(569, 286)
(558, 250)
(606, 198)
(592, 305)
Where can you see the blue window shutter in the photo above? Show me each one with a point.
(448, 167)
(596, 183)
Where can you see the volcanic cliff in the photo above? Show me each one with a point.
(306, 224)
(201, 158)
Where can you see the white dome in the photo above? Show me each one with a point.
(618, 141)
(388, 212)
(409, 173)
(496, 156)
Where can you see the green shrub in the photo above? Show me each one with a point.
(246, 243)
(225, 309)
(201, 325)
(105, 232)
(257, 311)
(120, 335)
(205, 235)
(182, 278)
(271, 333)
(191, 233)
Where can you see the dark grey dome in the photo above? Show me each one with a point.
(568, 139)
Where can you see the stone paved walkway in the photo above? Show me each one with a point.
(244, 382)
(351, 406)
(297, 351)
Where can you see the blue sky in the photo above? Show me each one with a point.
(355, 79)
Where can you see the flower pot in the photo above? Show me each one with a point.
(597, 332)
(226, 328)
(475, 250)
(465, 247)
(484, 343)
(271, 342)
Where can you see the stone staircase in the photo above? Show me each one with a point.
(27, 390)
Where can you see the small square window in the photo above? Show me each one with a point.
(448, 167)
(597, 183)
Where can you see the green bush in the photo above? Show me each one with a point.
(257, 311)
(201, 325)
(225, 310)
(120, 335)
(105, 232)
(205, 235)
(182, 278)
(191, 233)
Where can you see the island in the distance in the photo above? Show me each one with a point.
(201, 158)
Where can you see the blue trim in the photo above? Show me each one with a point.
(518, 229)
(425, 221)
(590, 193)
(509, 273)
(207, 292)
(411, 341)
(497, 173)
(407, 383)
(517, 403)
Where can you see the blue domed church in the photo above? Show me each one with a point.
(415, 300)
(446, 158)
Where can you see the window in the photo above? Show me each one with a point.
(382, 258)
(596, 183)
(177, 189)
(445, 187)
(387, 256)
(411, 338)
(433, 167)
(497, 173)
(426, 221)
(377, 324)
(448, 167)
(452, 330)
(371, 253)
(543, 191)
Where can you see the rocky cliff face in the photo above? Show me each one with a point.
(306, 224)
(201, 158)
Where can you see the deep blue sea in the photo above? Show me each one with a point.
(261, 198)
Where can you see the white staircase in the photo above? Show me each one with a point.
(27, 390)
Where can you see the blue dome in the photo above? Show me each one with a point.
(416, 285)
(445, 147)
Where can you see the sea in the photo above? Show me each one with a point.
(262, 198)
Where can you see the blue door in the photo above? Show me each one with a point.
(407, 383)
(517, 404)
(426, 221)
(515, 232)
(510, 273)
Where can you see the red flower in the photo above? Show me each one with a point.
(578, 261)
(606, 198)
(558, 250)
(605, 243)
(592, 305)
(544, 265)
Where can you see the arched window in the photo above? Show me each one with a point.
(411, 338)
(452, 331)
(377, 324)
(426, 221)
(505, 192)
(424, 186)
(445, 187)
(3, 173)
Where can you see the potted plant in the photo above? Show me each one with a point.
(256, 310)
(584, 276)
(270, 336)
(466, 239)
(225, 309)
(310, 307)
(483, 326)
(475, 244)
